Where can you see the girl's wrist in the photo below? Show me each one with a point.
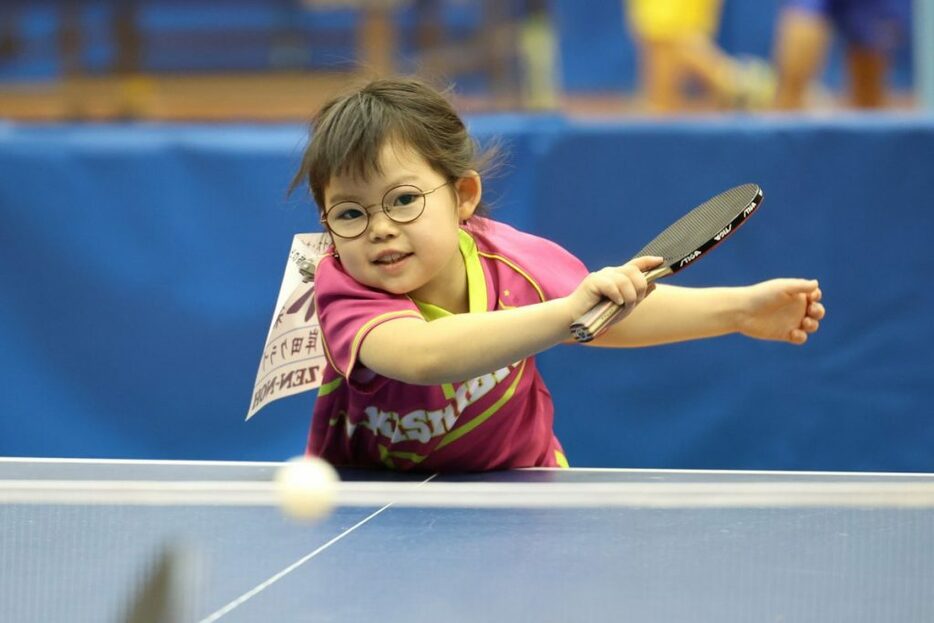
(740, 307)
(571, 310)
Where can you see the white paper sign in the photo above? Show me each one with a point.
(293, 358)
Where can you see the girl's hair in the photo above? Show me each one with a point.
(349, 131)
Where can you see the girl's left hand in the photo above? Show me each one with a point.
(786, 310)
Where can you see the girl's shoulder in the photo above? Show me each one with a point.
(553, 270)
(503, 239)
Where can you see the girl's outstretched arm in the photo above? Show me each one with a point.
(781, 309)
(462, 346)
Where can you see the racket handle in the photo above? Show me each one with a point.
(602, 315)
(595, 321)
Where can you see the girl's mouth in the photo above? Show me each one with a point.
(391, 258)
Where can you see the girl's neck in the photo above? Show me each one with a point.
(448, 290)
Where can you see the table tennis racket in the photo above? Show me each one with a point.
(681, 244)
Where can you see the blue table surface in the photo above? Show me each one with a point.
(87, 563)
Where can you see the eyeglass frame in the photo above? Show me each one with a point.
(383, 208)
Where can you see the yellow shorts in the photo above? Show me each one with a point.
(672, 19)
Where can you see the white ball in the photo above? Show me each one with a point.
(307, 487)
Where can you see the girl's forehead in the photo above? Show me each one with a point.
(395, 161)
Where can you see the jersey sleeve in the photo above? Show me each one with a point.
(348, 311)
(561, 273)
(556, 271)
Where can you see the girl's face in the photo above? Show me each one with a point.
(420, 258)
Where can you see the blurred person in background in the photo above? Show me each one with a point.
(8, 43)
(872, 30)
(678, 53)
(538, 57)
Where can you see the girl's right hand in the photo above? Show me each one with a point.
(624, 285)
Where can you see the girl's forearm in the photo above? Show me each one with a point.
(463, 346)
(675, 314)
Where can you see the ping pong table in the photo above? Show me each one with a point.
(778, 558)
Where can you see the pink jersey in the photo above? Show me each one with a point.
(500, 420)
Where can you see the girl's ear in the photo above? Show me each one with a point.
(469, 190)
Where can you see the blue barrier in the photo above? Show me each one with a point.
(139, 266)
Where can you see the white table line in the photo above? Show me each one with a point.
(214, 616)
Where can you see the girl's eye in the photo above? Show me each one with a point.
(348, 213)
(405, 199)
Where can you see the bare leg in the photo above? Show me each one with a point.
(728, 82)
(800, 50)
(867, 77)
(666, 65)
(708, 63)
(661, 76)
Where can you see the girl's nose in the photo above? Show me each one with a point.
(381, 226)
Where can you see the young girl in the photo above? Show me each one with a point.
(431, 314)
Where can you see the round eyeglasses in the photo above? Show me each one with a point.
(401, 204)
